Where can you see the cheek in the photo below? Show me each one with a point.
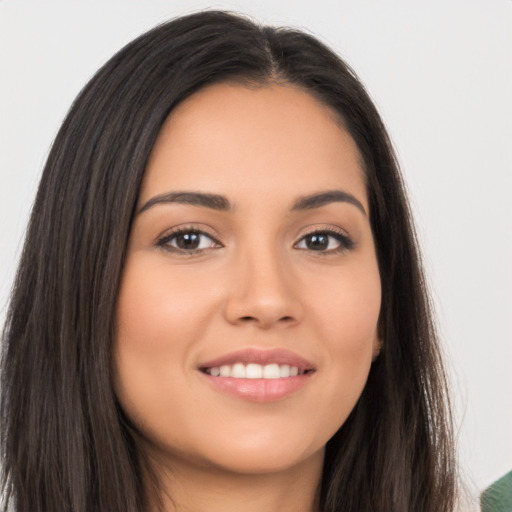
(156, 304)
(347, 311)
(158, 320)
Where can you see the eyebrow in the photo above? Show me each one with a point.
(213, 201)
(323, 198)
(221, 203)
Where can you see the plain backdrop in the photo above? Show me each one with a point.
(441, 75)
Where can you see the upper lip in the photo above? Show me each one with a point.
(260, 356)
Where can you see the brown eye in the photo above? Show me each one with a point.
(325, 241)
(317, 242)
(187, 241)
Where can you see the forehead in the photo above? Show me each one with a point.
(227, 138)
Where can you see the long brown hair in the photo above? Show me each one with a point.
(66, 444)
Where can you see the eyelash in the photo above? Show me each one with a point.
(165, 241)
(345, 242)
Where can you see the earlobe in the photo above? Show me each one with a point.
(377, 342)
(377, 347)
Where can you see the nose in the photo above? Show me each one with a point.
(263, 292)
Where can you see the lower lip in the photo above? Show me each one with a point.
(259, 390)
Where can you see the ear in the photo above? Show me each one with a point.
(377, 347)
(379, 335)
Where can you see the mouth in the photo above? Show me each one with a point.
(255, 371)
(258, 375)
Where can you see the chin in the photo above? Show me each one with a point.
(260, 454)
(257, 462)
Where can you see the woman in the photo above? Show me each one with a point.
(220, 303)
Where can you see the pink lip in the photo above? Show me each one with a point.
(260, 390)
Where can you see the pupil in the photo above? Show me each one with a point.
(317, 242)
(188, 241)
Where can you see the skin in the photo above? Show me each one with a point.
(255, 282)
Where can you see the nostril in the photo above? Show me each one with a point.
(247, 319)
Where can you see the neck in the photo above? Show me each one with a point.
(186, 488)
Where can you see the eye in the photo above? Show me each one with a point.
(187, 241)
(326, 241)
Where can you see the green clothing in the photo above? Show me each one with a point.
(498, 497)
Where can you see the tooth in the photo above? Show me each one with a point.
(238, 371)
(271, 371)
(284, 370)
(225, 370)
(253, 371)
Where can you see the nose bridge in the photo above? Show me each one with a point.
(262, 290)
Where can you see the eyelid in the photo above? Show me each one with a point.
(346, 241)
(163, 240)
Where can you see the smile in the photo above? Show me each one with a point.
(255, 371)
(258, 375)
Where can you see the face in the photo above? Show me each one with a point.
(247, 315)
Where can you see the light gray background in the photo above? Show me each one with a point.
(441, 75)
